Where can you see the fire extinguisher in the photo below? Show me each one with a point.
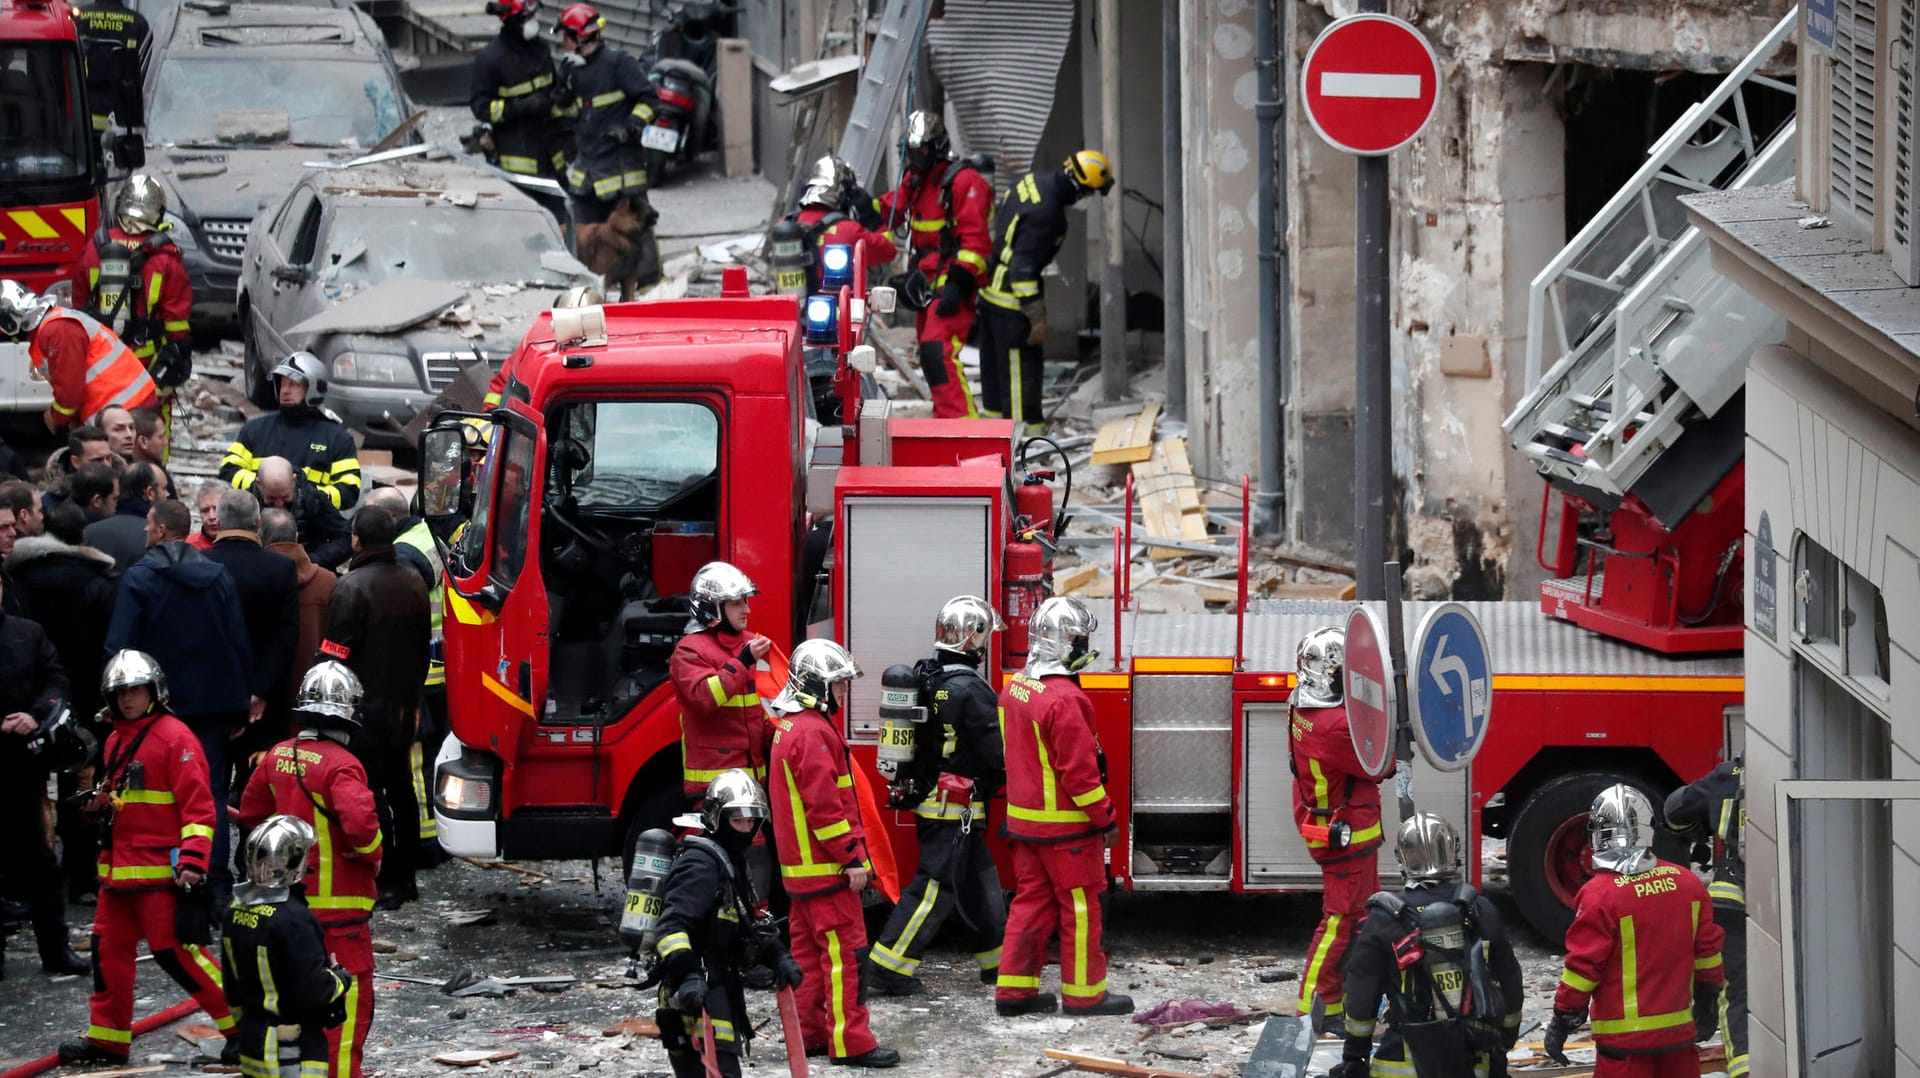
(1025, 585)
(1034, 501)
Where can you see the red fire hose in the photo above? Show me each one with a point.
(145, 1025)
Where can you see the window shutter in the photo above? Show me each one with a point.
(1901, 242)
(1850, 165)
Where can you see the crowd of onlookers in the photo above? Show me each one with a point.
(236, 598)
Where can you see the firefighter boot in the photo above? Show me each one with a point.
(86, 1052)
(873, 1057)
(1038, 1003)
(1111, 1003)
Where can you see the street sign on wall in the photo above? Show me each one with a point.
(1450, 688)
(1370, 84)
(1369, 694)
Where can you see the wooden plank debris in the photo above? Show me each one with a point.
(1128, 440)
(635, 1027)
(1170, 506)
(1102, 1065)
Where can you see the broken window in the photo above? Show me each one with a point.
(43, 130)
(640, 455)
(317, 102)
(368, 244)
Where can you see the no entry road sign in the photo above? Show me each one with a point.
(1369, 693)
(1371, 84)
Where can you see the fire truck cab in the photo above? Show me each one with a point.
(50, 170)
(641, 440)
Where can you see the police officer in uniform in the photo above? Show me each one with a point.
(708, 933)
(1438, 953)
(277, 969)
(1714, 807)
(948, 797)
(141, 291)
(514, 92)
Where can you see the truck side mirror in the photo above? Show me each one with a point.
(446, 488)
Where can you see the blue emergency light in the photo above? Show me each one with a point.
(836, 268)
(821, 319)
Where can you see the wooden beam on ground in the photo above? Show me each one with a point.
(1102, 1065)
(1127, 440)
(733, 94)
(901, 366)
(1163, 484)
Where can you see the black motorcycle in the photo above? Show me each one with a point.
(681, 65)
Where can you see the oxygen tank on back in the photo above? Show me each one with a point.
(901, 713)
(1443, 936)
(646, 888)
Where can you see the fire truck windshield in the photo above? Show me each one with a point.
(640, 455)
(44, 129)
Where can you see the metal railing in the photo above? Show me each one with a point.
(1625, 303)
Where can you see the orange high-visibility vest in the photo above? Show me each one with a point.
(114, 374)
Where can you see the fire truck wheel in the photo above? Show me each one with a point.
(1548, 858)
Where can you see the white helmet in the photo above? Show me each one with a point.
(716, 583)
(304, 367)
(817, 666)
(1059, 639)
(1620, 829)
(1428, 849)
(1321, 661)
(275, 857)
(964, 625)
(21, 309)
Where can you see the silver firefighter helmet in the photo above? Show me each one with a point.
(1321, 661)
(1060, 637)
(965, 624)
(1620, 830)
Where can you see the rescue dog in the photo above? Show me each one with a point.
(623, 249)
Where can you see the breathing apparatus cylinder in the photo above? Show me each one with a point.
(790, 258)
(1444, 936)
(901, 714)
(646, 890)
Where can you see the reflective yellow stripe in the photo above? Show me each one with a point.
(1310, 979)
(497, 110)
(416, 763)
(195, 830)
(972, 259)
(1364, 835)
(933, 225)
(209, 967)
(939, 808)
(689, 774)
(176, 327)
(153, 289)
(1392, 1068)
(988, 959)
(522, 89)
(34, 225)
(147, 797)
(722, 1029)
(1049, 783)
(794, 872)
(898, 963)
(1576, 982)
(1359, 1027)
(270, 994)
(1319, 784)
(1707, 963)
(1008, 980)
(844, 782)
(1015, 812)
(611, 97)
(837, 993)
(137, 872)
(492, 685)
(673, 941)
(1634, 1024)
(1077, 985)
(1729, 892)
(109, 1036)
(895, 958)
(642, 112)
(832, 830)
(336, 902)
(1093, 796)
(1630, 966)
(524, 166)
(324, 855)
(1000, 299)
(349, 1030)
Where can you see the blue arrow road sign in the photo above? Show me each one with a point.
(1452, 694)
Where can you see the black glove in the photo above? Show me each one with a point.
(193, 914)
(1350, 1068)
(1706, 1011)
(859, 205)
(172, 364)
(691, 997)
(1555, 1046)
(746, 656)
(959, 286)
(337, 1010)
(786, 972)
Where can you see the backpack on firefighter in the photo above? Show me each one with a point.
(119, 304)
(912, 742)
(1445, 1004)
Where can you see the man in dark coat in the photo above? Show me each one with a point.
(184, 610)
(123, 536)
(72, 586)
(33, 691)
(379, 624)
(269, 588)
(323, 531)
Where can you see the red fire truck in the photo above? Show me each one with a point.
(638, 441)
(49, 166)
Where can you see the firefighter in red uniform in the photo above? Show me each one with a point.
(1060, 821)
(946, 206)
(823, 854)
(1337, 808)
(313, 777)
(140, 290)
(1643, 951)
(834, 212)
(157, 834)
(87, 365)
(722, 725)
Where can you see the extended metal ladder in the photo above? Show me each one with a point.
(896, 47)
(1646, 337)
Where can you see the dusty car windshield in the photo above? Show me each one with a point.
(327, 102)
(369, 244)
